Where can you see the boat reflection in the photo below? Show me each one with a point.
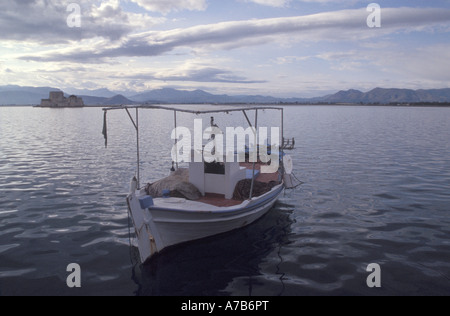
(206, 267)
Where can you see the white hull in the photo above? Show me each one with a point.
(174, 221)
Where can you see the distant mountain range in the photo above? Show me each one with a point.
(23, 95)
(386, 96)
(17, 95)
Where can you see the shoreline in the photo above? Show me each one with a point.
(426, 105)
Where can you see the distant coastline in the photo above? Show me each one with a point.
(12, 95)
(429, 105)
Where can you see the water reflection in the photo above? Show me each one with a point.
(207, 267)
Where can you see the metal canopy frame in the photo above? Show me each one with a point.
(210, 109)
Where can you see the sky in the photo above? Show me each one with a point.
(282, 48)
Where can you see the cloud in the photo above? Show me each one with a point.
(285, 60)
(345, 25)
(45, 22)
(286, 3)
(191, 73)
(166, 6)
(271, 3)
(429, 62)
(398, 62)
(5, 70)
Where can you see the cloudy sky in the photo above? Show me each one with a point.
(289, 48)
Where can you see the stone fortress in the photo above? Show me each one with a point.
(58, 100)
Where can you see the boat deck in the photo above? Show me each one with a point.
(220, 201)
(262, 177)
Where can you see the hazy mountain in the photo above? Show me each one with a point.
(118, 100)
(350, 96)
(23, 95)
(37, 90)
(32, 95)
(168, 95)
(440, 95)
(115, 100)
(386, 96)
(17, 95)
(101, 93)
(378, 95)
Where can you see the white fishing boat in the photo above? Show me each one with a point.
(203, 199)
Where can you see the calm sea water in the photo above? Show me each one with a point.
(377, 190)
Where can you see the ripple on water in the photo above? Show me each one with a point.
(376, 191)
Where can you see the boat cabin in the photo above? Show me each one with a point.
(217, 178)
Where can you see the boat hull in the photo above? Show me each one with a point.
(164, 225)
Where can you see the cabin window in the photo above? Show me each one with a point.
(215, 168)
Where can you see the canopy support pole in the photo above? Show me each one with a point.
(136, 126)
(282, 140)
(176, 140)
(138, 150)
(256, 146)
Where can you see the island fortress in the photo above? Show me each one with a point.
(57, 100)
